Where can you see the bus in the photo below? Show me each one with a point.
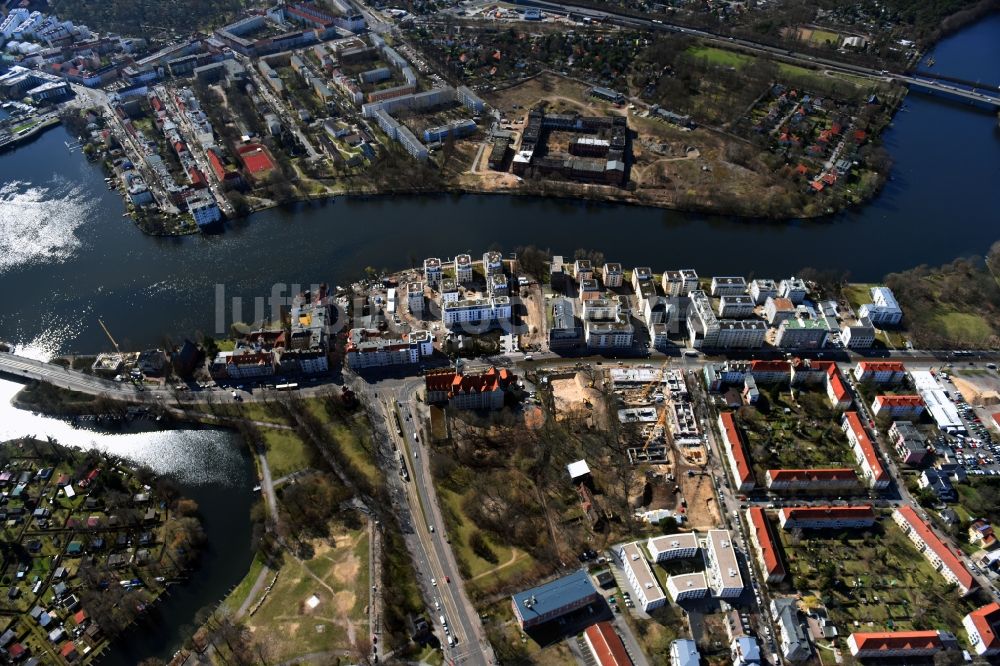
(286, 387)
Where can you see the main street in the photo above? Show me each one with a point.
(439, 574)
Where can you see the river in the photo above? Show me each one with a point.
(67, 256)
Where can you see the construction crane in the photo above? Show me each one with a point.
(121, 357)
(110, 337)
(657, 379)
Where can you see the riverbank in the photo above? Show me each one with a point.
(21, 135)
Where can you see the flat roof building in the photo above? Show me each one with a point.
(687, 586)
(673, 546)
(552, 600)
(723, 569)
(647, 589)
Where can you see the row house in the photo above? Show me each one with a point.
(827, 480)
(736, 453)
(887, 373)
(765, 545)
(983, 627)
(899, 644)
(826, 517)
(898, 406)
(934, 550)
(864, 451)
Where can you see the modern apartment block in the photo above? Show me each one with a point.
(826, 517)
(909, 443)
(599, 309)
(608, 334)
(463, 269)
(777, 310)
(728, 286)
(415, 298)
(736, 454)
(860, 335)
(492, 263)
(802, 332)
(679, 283)
(679, 546)
(794, 289)
(583, 270)
(765, 545)
(371, 348)
(641, 275)
(884, 373)
(864, 451)
(687, 586)
(761, 290)
(432, 271)
(649, 594)
(612, 275)
(484, 312)
(883, 310)
(736, 306)
(722, 567)
(899, 645)
(934, 550)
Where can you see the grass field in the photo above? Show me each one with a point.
(970, 328)
(253, 411)
(286, 452)
(338, 576)
(821, 37)
(878, 580)
(720, 57)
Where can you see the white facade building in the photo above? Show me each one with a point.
(673, 546)
(647, 590)
(722, 567)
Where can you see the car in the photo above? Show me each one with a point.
(447, 579)
(431, 528)
(434, 582)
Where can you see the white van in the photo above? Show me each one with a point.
(444, 622)
(451, 641)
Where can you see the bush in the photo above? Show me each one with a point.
(481, 547)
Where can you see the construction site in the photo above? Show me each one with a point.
(673, 453)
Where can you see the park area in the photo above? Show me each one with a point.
(313, 606)
(800, 432)
(872, 580)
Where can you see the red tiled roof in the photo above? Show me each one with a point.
(68, 649)
(811, 475)
(768, 545)
(607, 645)
(216, 163)
(732, 433)
(867, 448)
(947, 557)
(480, 382)
(255, 158)
(80, 616)
(828, 512)
(881, 366)
(987, 622)
(897, 640)
(899, 400)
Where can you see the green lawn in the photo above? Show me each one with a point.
(858, 294)
(720, 57)
(822, 36)
(971, 329)
(286, 452)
